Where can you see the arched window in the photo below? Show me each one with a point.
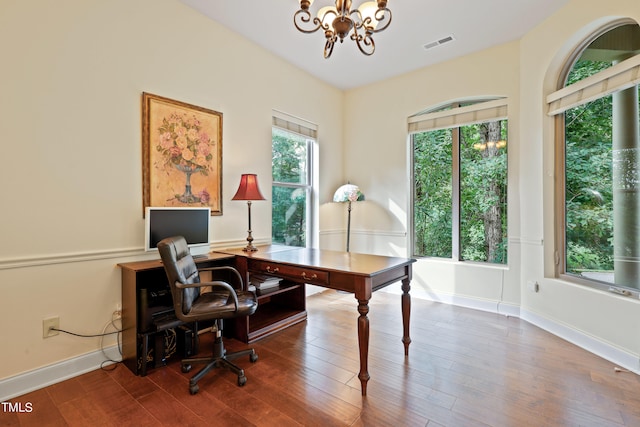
(598, 161)
(459, 181)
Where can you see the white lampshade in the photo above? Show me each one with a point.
(368, 10)
(348, 193)
(327, 18)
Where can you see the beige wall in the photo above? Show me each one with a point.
(71, 181)
(384, 177)
(72, 76)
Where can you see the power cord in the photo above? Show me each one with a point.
(118, 329)
(83, 335)
(116, 316)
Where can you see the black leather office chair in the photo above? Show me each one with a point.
(192, 305)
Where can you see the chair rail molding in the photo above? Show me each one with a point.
(119, 253)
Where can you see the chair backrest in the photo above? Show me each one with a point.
(180, 267)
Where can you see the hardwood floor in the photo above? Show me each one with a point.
(465, 368)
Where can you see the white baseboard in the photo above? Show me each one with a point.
(39, 378)
(608, 352)
(491, 306)
(600, 348)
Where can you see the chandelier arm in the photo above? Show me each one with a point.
(381, 15)
(328, 47)
(358, 21)
(365, 43)
(304, 17)
(366, 22)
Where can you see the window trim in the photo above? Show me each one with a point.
(623, 75)
(484, 111)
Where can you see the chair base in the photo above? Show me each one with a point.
(219, 359)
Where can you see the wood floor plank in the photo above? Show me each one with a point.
(465, 368)
(44, 411)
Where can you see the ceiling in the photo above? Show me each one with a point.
(475, 25)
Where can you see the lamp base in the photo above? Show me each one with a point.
(250, 247)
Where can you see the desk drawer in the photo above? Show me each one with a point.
(298, 274)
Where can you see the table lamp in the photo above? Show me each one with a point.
(248, 190)
(348, 193)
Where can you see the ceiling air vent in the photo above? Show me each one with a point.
(439, 42)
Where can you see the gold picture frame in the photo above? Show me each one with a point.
(181, 154)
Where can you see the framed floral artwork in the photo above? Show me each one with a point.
(181, 154)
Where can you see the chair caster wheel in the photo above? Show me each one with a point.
(253, 357)
(242, 380)
(186, 368)
(193, 389)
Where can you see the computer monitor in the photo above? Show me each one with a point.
(191, 223)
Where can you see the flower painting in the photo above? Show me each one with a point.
(182, 154)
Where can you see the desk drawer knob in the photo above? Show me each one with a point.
(313, 276)
(275, 270)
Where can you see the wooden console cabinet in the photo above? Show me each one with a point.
(146, 298)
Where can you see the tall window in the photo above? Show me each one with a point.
(459, 157)
(292, 148)
(598, 241)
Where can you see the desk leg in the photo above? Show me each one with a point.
(363, 342)
(406, 314)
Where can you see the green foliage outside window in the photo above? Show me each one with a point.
(483, 190)
(432, 193)
(588, 179)
(290, 190)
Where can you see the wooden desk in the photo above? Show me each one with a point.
(359, 274)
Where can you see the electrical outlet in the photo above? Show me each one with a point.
(117, 313)
(533, 286)
(47, 324)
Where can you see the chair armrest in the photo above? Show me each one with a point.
(213, 285)
(235, 274)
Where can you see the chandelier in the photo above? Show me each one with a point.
(339, 20)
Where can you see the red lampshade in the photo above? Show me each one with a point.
(248, 189)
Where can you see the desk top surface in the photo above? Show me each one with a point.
(328, 260)
(350, 262)
(153, 264)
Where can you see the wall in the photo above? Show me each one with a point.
(493, 72)
(524, 71)
(70, 93)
